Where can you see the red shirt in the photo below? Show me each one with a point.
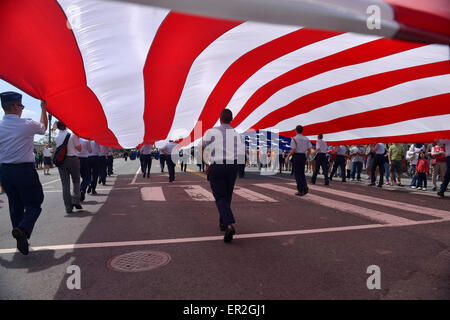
(439, 158)
(422, 166)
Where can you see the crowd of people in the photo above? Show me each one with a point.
(419, 162)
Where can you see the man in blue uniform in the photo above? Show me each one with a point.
(223, 168)
(17, 172)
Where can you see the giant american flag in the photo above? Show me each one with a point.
(122, 74)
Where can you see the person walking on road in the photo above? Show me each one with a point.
(301, 148)
(339, 162)
(320, 156)
(93, 166)
(18, 175)
(84, 167)
(146, 159)
(222, 168)
(167, 152)
(70, 168)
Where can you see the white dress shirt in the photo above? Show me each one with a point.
(17, 138)
(379, 148)
(95, 149)
(84, 149)
(146, 149)
(300, 143)
(223, 143)
(322, 145)
(71, 144)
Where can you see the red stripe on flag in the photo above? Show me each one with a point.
(363, 53)
(180, 39)
(351, 89)
(40, 56)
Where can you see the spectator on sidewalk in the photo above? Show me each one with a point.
(446, 144)
(423, 169)
(438, 163)
(396, 154)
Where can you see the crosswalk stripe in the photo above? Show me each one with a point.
(252, 195)
(152, 194)
(374, 215)
(198, 193)
(384, 202)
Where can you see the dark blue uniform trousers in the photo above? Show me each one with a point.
(340, 162)
(321, 161)
(24, 190)
(222, 178)
(170, 167)
(110, 165)
(85, 174)
(93, 169)
(103, 164)
(444, 184)
(298, 166)
(378, 161)
(146, 163)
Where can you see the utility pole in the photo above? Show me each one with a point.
(49, 130)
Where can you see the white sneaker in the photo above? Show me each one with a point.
(413, 187)
(424, 189)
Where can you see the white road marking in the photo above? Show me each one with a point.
(198, 193)
(384, 202)
(374, 215)
(152, 194)
(217, 238)
(252, 195)
(135, 176)
(44, 184)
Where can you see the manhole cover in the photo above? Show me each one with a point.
(138, 261)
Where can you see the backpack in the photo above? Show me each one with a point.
(61, 152)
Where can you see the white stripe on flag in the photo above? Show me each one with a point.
(114, 55)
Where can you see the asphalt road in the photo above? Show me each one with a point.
(319, 246)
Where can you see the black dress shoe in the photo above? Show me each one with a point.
(223, 227)
(440, 194)
(380, 186)
(77, 206)
(300, 194)
(371, 184)
(82, 196)
(22, 242)
(143, 176)
(89, 189)
(94, 192)
(229, 234)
